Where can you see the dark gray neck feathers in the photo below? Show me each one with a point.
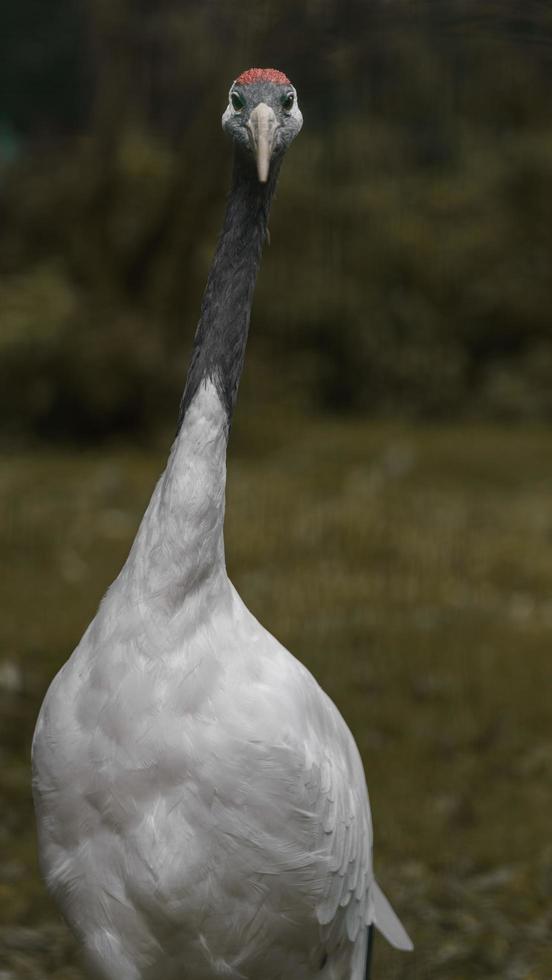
(220, 339)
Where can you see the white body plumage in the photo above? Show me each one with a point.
(201, 804)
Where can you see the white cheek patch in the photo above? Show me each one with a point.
(296, 113)
(229, 111)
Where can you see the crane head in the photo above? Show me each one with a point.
(262, 116)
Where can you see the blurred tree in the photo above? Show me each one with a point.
(410, 272)
(44, 66)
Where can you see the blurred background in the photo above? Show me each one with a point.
(389, 499)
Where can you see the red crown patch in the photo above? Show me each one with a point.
(262, 75)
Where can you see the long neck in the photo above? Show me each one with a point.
(180, 543)
(221, 335)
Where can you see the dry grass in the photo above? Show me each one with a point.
(411, 570)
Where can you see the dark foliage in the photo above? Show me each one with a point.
(409, 272)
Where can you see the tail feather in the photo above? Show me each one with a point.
(388, 923)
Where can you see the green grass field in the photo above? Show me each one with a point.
(411, 570)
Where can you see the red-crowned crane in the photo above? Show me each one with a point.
(201, 804)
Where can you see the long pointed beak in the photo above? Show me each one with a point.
(262, 126)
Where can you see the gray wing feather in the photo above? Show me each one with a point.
(350, 884)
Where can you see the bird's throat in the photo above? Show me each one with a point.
(221, 336)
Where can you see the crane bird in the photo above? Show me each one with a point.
(201, 805)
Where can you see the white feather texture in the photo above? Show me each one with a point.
(201, 804)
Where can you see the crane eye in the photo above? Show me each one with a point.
(287, 102)
(237, 102)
